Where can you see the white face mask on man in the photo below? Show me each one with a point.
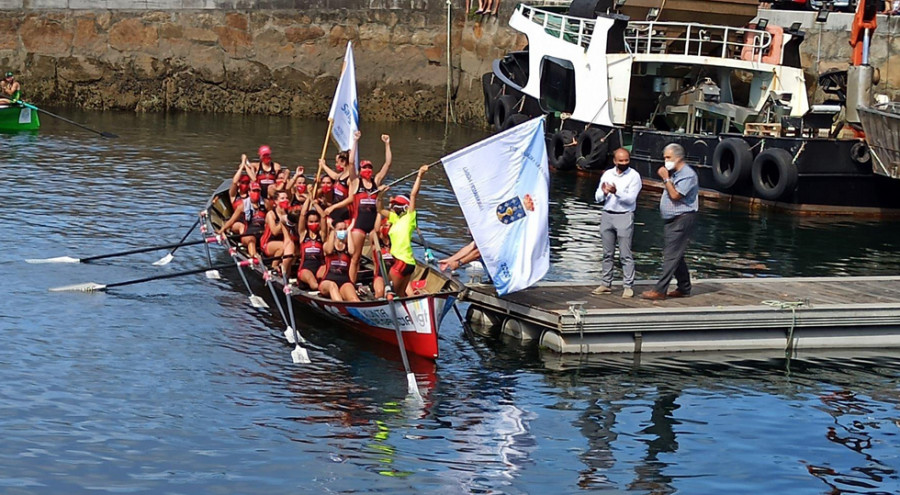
(670, 165)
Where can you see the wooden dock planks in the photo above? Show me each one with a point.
(733, 313)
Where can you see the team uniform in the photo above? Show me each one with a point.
(255, 218)
(365, 210)
(338, 267)
(312, 256)
(266, 178)
(341, 191)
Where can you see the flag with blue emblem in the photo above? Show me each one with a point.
(502, 185)
(344, 111)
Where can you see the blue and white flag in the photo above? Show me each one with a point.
(502, 185)
(345, 106)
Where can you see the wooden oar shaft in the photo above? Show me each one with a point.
(146, 249)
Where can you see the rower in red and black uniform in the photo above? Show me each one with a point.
(363, 197)
(251, 214)
(266, 171)
(312, 253)
(276, 240)
(337, 285)
(299, 196)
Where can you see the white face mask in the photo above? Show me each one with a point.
(670, 165)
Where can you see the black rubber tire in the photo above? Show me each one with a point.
(491, 92)
(860, 154)
(514, 120)
(593, 149)
(774, 174)
(504, 106)
(560, 156)
(732, 163)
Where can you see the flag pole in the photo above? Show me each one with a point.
(322, 157)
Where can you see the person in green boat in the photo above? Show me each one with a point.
(10, 89)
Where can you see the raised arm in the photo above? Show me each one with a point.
(293, 180)
(351, 158)
(331, 173)
(415, 190)
(379, 203)
(387, 159)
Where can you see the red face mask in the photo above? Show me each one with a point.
(326, 188)
(284, 204)
(267, 159)
(301, 188)
(314, 226)
(366, 173)
(254, 196)
(243, 188)
(339, 167)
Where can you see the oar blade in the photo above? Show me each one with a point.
(289, 335)
(413, 387)
(58, 259)
(300, 356)
(85, 287)
(108, 134)
(165, 260)
(258, 302)
(213, 274)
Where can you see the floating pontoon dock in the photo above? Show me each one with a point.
(723, 314)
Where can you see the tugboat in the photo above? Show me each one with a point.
(734, 97)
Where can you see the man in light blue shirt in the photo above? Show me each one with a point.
(618, 191)
(678, 207)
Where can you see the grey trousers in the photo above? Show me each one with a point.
(617, 227)
(677, 234)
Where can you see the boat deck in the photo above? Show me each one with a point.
(760, 313)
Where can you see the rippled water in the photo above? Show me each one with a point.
(178, 386)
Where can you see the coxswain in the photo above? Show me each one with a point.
(10, 89)
(266, 171)
(312, 254)
(251, 213)
(363, 197)
(276, 239)
(402, 217)
(337, 285)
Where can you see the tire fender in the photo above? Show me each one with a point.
(559, 155)
(774, 174)
(504, 106)
(513, 120)
(593, 149)
(732, 163)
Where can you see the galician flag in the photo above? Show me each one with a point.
(502, 185)
(345, 106)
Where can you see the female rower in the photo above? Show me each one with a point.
(337, 285)
(251, 217)
(240, 183)
(402, 217)
(340, 179)
(300, 195)
(312, 254)
(276, 239)
(266, 171)
(363, 197)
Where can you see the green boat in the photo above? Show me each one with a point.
(16, 117)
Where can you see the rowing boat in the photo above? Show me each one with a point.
(419, 316)
(15, 117)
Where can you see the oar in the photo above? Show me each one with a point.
(94, 287)
(429, 256)
(211, 273)
(255, 301)
(411, 386)
(466, 328)
(36, 109)
(299, 354)
(67, 259)
(165, 260)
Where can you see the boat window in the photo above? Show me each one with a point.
(557, 85)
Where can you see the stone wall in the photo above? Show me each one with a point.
(254, 60)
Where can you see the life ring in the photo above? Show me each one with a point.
(513, 120)
(593, 149)
(732, 163)
(504, 106)
(561, 153)
(774, 174)
(491, 88)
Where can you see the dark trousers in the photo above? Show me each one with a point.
(677, 233)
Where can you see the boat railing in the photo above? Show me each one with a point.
(689, 38)
(575, 30)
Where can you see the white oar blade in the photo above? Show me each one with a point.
(289, 335)
(412, 386)
(258, 302)
(59, 259)
(165, 260)
(213, 274)
(300, 356)
(85, 287)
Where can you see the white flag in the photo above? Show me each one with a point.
(502, 185)
(345, 106)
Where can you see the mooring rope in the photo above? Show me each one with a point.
(792, 305)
